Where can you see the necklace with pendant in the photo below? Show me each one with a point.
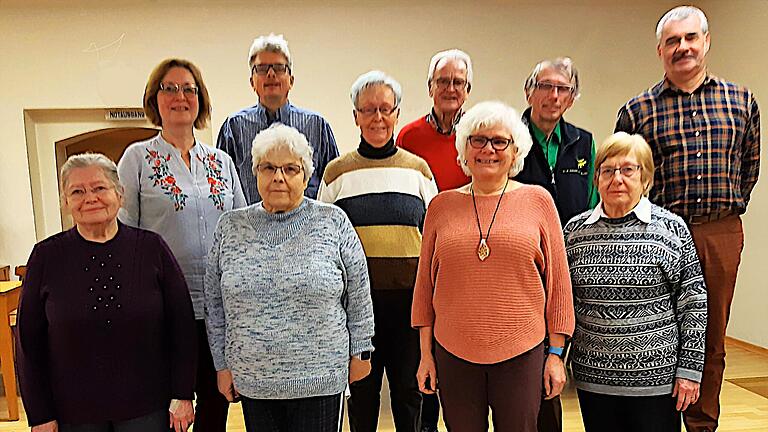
(483, 250)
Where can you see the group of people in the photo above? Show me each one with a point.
(465, 258)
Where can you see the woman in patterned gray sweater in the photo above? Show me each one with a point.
(288, 304)
(640, 299)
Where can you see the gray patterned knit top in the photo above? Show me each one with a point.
(640, 300)
(287, 300)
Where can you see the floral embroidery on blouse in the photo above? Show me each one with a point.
(216, 182)
(163, 177)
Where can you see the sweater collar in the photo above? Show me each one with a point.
(368, 151)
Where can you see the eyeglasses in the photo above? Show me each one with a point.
(174, 89)
(78, 194)
(371, 111)
(497, 143)
(626, 171)
(289, 170)
(444, 83)
(263, 69)
(548, 87)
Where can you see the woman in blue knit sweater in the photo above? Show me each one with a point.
(288, 304)
(640, 300)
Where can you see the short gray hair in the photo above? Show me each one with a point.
(280, 136)
(561, 65)
(680, 13)
(489, 114)
(374, 78)
(270, 43)
(451, 54)
(87, 160)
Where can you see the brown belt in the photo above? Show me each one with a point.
(714, 216)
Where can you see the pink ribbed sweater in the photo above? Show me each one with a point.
(490, 311)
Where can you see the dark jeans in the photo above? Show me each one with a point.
(607, 413)
(719, 245)
(512, 388)
(157, 421)
(211, 407)
(396, 353)
(312, 414)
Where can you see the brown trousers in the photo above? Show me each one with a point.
(719, 245)
(511, 388)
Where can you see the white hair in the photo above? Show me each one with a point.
(451, 54)
(87, 160)
(561, 65)
(490, 114)
(680, 13)
(270, 43)
(374, 78)
(280, 136)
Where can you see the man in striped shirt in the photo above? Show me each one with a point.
(705, 136)
(272, 79)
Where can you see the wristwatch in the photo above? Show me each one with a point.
(365, 355)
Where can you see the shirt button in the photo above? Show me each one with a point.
(697, 133)
(698, 200)
(698, 177)
(94, 308)
(201, 218)
(698, 154)
(693, 114)
(109, 322)
(119, 305)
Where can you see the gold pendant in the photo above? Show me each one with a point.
(483, 250)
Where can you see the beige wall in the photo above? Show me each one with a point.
(49, 58)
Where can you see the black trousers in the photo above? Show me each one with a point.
(211, 407)
(157, 421)
(396, 353)
(607, 413)
(551, 415)
(311, 414)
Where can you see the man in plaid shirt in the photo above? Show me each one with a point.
(705, 136)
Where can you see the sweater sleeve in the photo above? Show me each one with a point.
(32, 344)
(358, 304)
(691, 307)
(559, 312)
(422, 312)
(214, 305)
(129, 172)
(180, 323)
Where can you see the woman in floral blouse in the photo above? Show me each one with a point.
(178, 187)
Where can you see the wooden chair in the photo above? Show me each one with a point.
(5, 273)
(20, 271)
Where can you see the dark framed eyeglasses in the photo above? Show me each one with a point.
(371, 111)
(288, 170)
(172, 89)
(497, 143)
(263, 68)
(626, 171)
(444, 83)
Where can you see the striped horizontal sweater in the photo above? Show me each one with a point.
(640, 300)
(386, 200)
(493, 310)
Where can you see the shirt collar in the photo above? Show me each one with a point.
(195, 148)
(283, 113)
(666, 85)
(642, 211)
(432, 120)
(539, 136)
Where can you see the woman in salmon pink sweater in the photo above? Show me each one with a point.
(492, 284)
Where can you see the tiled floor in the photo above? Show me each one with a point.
(744, 400)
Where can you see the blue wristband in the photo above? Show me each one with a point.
(558, 351)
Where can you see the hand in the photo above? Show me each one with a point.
(554, 376)
(427, 374)
(226, 385)
(686, 392)
(182, 417)
(51, 426)
(358, 369)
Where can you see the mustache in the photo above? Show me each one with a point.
(681, 56)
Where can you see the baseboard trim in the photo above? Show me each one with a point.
(747, 346)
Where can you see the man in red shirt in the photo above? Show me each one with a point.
(432, 137)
